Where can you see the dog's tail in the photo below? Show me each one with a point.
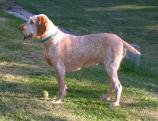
(130, 48)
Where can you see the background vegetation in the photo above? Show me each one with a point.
(24, 73)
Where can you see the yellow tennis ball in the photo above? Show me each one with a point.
(45, 94)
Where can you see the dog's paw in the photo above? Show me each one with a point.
(104, 98)
(56, 101)
(115, 104)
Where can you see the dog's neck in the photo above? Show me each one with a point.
(52, 31)
(54, 34)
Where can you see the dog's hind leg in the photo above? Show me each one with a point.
(117, 87)
(107, 97)
(112, 65)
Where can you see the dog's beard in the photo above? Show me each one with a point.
(28, 36)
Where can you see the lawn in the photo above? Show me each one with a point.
(24, 74)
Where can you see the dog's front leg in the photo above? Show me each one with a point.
(60, 76)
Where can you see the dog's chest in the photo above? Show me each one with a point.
(47, 53)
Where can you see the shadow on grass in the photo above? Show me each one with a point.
(142, 104)
(141, 77)
(136, 77)
(18, 109)
(19, 101)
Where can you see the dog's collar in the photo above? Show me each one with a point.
(48, 38)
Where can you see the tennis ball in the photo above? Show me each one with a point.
(45, 94)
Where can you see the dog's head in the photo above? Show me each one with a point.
(36, 27)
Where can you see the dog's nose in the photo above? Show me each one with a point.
(21, 28)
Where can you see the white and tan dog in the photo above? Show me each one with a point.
(66, 53)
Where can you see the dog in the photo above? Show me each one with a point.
(66, 53)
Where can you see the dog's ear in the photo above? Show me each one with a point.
(41, 24)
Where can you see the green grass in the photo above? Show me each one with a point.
(24, 74)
